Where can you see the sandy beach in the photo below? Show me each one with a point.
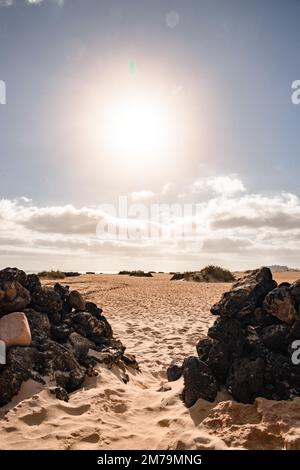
(158, 321)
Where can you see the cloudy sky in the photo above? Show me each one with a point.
(184, 104)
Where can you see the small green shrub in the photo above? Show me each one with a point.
(51, 274)
(210, 273)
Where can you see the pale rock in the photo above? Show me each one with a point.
(15, 330)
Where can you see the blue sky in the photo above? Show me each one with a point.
(231, 64)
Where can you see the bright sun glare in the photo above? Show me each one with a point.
(137, 128)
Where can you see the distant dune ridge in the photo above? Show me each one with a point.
(277, 268)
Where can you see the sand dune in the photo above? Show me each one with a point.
(158, 320)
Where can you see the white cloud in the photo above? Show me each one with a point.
(142, 195)
(9, 3)
(256, 228)
(166, 188)
(226, 185)
(198, 186)
(255, 211)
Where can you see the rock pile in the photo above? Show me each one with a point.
(177, 277)
(53, 332)
(248, 349)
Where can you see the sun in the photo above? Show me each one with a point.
(136, 128)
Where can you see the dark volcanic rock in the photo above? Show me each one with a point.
(175, 370)
(249, 347)
(295, 293)
(47, 300)
(60, 393)
(63, 291)
(80, 345)
(277, 376)
(13, 297)
(39, 324)
(295, 330)
(199, 382)
(14, 274)
(246, 379)
(279, 303)
(216, 354)
(219, 359)
(245, 295)
(92, 328)
(130, 360)
(92, 308)
(60, 333)
(230, 332)
(76, 301)
(203, 347)
(58, 361)
(177, 277)
(20, 361)
(33, 282)
(64, 328)
(276, 337)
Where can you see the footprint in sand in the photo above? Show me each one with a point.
(10, 429)
(91, 438)
(164, 423)
(76, 410)
(35, 418)
(119, 408)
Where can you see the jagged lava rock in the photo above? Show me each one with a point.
(96, 329)
(14, 274)
(177, 277)
(13, 297)
(59, 361)
(229, 331)
(62, 336)
(203, 347)
(16, 371)
(279, 302)
(80, 345)
(15, 330)
(246, 379)
(276, 337)
(32, 283)
(246, 294)
(39, 324)
(47, 300)
(295, 293)
(76, 301)
(199, 382)
(175, 370)
(249, 347)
